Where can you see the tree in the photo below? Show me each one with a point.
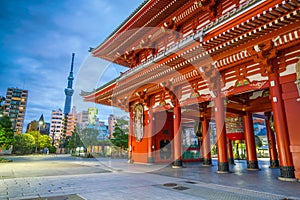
(44, 141)
(122, 123)
(258, 142)
(52, 149)
(24, 143)
(120, 136)
(40, 141)
(6, 138)
(88, 136)
(2, 101)
(37, 139)
(75, 140)
(5, 122)
(6, 133)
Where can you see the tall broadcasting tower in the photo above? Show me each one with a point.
(69, 91)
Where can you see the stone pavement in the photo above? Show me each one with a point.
(64, 177)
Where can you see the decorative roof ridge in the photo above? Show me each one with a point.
(122, 24)
(199, 33)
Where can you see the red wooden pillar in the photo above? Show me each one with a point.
(221, 135)
(206, 143)
(130, 147)
(282, 136)
(274, 163)
(252, 163)
(230, 152)
(177, 137)
(150, 158)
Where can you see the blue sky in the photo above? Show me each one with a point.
(38, 38)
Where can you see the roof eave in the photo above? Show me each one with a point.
(119, 28)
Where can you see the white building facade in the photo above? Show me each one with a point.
(56, 126)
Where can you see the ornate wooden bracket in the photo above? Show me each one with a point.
(162, 100)
(209, 6)
(144, 98)
(171, 24)
(145, 42)
(195, 92)
(129, 57)
(122, 103)
(265, 54)
(241, 74)
(173, 93)
(213, 78)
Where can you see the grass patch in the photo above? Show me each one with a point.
(3, 160)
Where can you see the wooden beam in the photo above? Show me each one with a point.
(235, 111)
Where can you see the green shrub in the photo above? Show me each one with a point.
(52, 149)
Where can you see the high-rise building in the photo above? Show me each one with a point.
(111, 124)
(56, 126)
(83, 118)
(92, 116)
(71, 122)
(15, 107)
(69, 90)
(68, 118)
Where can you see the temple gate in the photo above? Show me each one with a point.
(204, 61)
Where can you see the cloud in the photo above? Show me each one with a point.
(37, 39)
(92, 74)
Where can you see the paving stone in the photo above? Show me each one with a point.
(135, 181)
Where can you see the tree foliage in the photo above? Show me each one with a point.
(6, 138)
(121, 123)
(44, 141)
(120, 136)
(75, 140)
(35, 135)
(2, 101)
(52, 149)
(258, 142)
(41, 141)
(6, 133)
(5, 122)
(24, 143)
(88, 137)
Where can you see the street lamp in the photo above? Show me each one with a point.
(37, 141)
(78, 150)
(53, 132)
(81, 149)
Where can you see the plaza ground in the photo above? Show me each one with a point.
(66, 177)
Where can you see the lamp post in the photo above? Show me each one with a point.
(37, 141)
(81, 149)
(53, 132)
(60, 143)
(78, 150)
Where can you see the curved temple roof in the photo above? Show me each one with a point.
(251, 19)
